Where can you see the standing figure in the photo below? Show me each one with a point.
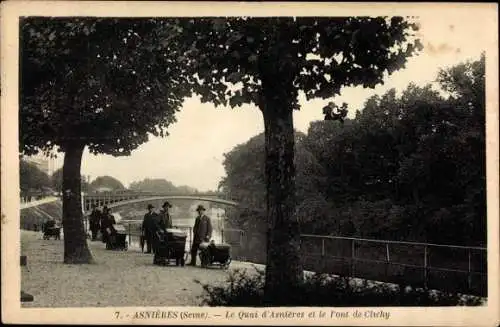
(161, 221)
(164, 218)
(202, 232)
(107, 222)
(148, 227)
(95, 222)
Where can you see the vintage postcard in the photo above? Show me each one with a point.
(231, 163)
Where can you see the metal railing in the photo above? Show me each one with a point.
(448, 267)
(433, 266)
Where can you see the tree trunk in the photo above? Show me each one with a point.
(283, 267)
(76, 250)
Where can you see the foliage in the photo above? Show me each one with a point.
(99, 83)
(266, 62)
(315, 55)
(86, 81)
(409, 166)
(159, 185)
(116, 82)
(56, 181)
(107, 182)
(31, 177)
(245, 182)
(244, 289)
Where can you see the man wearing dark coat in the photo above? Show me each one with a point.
(161, 221)
(95, 222)
(202, 232)
(148, 227)
(164, 220)
(107, 222)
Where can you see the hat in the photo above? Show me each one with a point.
(166, 204)
(150, 206)
(200, 207)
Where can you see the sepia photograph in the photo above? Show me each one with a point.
(252, 164)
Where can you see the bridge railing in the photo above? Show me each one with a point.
(119, 199)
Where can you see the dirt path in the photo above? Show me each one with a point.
(118, 279)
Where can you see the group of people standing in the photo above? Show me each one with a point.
(153, 222)
(101, 221)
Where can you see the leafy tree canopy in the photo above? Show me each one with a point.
(107, 182)
(407, 167)
(245, 179)
(100, 83)
(31, 177)
(315, 55)
(160, 185)
(105, 83)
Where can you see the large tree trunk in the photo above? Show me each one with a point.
(283, 268)
(76, 250)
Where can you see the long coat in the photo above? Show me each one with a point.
(95, 219)
(202, 230)
(164, 220)
(148, 225)
(107, 221)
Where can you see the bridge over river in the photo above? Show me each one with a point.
(436, 266)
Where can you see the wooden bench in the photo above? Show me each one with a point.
(25, 297)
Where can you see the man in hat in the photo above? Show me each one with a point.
(148, 227)
(95, 221)
(164, 218)
(107, 222)
(202, 232)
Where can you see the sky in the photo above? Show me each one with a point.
(193, 152)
